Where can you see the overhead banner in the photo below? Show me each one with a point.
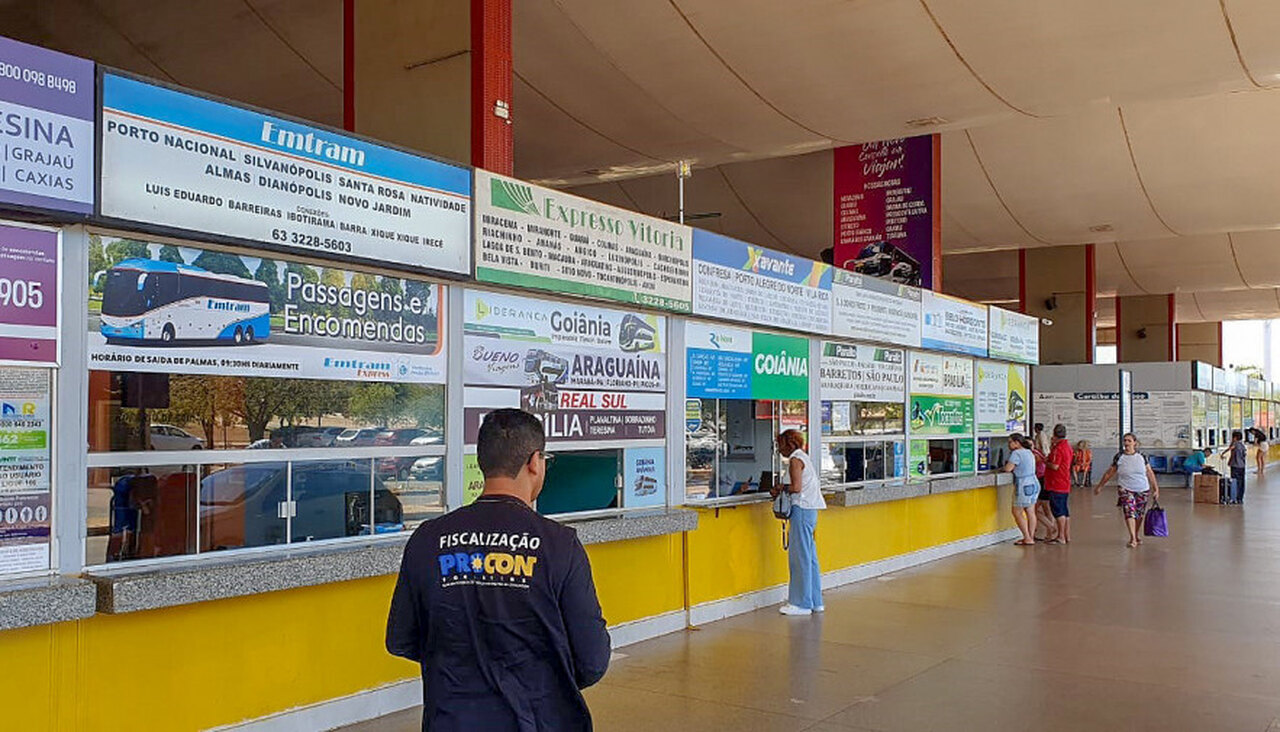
(871, 309)
(536, 237)
(589, 373)
(46, 101)
(25, 485)
(886, 208)
(182, 161)
(941, 394)
(1001, 402)
(860, 373)
(951, 324)
(735, 363)
(185, 310)
(30, 260)
(738, 281)
(1013, 336)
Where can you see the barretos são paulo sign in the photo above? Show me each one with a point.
(181, 161)
(46, 129)
(536, 237)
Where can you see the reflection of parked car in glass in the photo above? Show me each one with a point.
(398, 437)
(241, 506)
(168, 437)
(400, 467)
(356, 438)
(146, 300)
(635, 334)
(427, 468)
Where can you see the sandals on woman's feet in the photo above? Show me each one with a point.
(1023, 542)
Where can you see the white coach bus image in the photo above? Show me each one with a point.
(146, 300)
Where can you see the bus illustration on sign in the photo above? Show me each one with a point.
(146, 300)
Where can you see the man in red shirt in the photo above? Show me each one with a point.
(1057, 482)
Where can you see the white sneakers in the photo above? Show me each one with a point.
(789, 609)
(820, 608)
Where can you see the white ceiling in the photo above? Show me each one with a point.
(1145, 126)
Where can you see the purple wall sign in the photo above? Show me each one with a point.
(46, 128)
(29, 295)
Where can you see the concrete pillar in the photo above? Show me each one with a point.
(1200, 342)
(1145, 328)
(1058, 283)
(433, 76)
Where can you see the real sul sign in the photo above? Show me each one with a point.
(182, 161)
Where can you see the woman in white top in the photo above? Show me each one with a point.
(805, 593)
(1136, 480)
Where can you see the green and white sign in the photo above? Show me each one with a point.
(723, 362)
(941, 394)
(964, 456)
(535, 237)
(918, 459)
(779, 367)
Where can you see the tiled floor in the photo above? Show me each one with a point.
(1180, 634)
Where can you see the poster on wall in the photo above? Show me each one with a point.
(951, 324)
(30, 314)
(591, 374)
(1092, 416)
(738, 281)
(1163, 419)
(887, 221)
(1001, 398)
(534, 237)
(1202, 376)
(25, 485)
(872, 309)
(1221, 384)
(48, 101)
(1013, 336)
(918, 459)
(181, 161)
(644, 476)
(722, 362)
(169, 308)
(941, 394)
(861, 373)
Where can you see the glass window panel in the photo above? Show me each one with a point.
(241, 505)
(942, 457)
(141, 513)
(331, 500)
(581, 481)
(702, 447)
(417, 482)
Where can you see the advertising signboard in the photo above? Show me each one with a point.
(590, 374)
(166, 308)
(872, 309)
(536, 237)
(181, 161)
(1202, 375)
(25, 496)
(887, 220)
(861, 373)
(941, 394)
(951, 324)
(736, 363)
(644, 476)
(738, 281)
(29, 302)
(1013, 336)
(1001, 402)
(46, 99)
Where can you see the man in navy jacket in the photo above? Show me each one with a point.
(496, 603)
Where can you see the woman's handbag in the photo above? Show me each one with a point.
(782, 505)
(1156, 524)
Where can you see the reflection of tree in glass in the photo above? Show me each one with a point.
(201, 400)
(97, 263)
(421, 405)
(261, 401)
(222, 263)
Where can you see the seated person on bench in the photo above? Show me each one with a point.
(1195, 463)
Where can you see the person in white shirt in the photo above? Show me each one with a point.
(805, 593)
(1137, 481)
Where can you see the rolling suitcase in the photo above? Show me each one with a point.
(1228, 490)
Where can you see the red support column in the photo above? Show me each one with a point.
(1091, 306)
(1022, 280)
(492, 146)
(349, 65)
(1173, 327)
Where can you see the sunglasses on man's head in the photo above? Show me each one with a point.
(548, 457)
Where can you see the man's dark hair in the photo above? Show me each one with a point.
(1039, 426)
(508, 438)
(1060, 431)
(1237, 435)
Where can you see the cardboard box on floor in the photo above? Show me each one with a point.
(1207, 488)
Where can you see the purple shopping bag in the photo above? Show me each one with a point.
(1156, 523)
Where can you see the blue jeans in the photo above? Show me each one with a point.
(802, 556)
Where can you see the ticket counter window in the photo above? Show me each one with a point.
(863, 442)
(942, 457)
(579, 481)
(731, 445)
(993, 452)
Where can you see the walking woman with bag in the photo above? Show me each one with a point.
(804, 595)
(1026, 488)
(1136, 480)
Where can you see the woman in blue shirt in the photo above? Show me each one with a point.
(1022, 463)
